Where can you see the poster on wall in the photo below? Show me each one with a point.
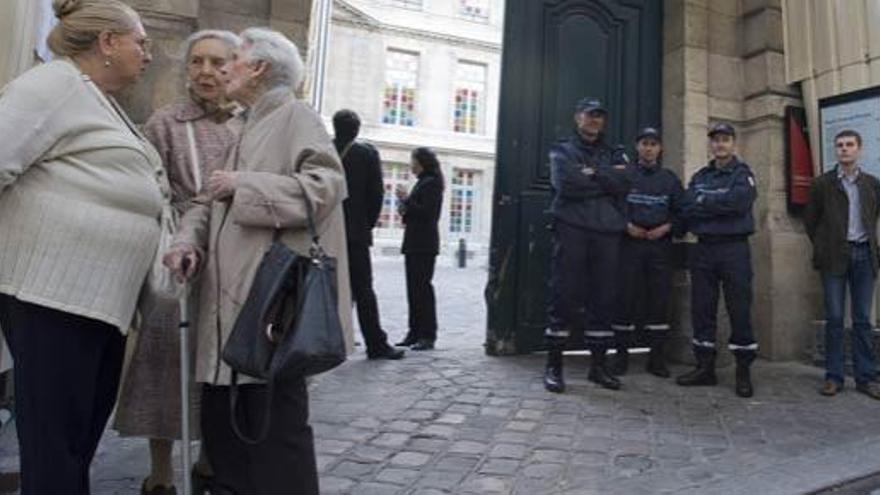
(859, 111)
(799, 168)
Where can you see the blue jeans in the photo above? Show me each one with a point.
(860, 277)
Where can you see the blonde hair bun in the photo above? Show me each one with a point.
(63, 8)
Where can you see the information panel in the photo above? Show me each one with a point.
(860, 111)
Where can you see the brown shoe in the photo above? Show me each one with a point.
(829, 388)
(871, 389)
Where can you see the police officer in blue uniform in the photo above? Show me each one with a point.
(646, 254)
(717, 208)
(590, 180)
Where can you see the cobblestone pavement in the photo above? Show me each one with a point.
(454, 420)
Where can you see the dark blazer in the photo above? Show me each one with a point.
(826, 218)
(421, 214)
(363, 176)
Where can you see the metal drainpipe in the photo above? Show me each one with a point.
(322, 42)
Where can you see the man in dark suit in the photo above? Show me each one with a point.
(363, 175)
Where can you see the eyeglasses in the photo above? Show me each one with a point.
(145, 44)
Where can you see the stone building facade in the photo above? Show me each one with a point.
(737, 60)
(424, 73)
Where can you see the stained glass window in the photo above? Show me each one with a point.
(401, 81)
(474, 10)
(393, 174)
(470, 88)
(408, 4)
(464, 197)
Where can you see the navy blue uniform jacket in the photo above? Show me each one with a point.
(594, 201)
(718, 201)
(654, 197)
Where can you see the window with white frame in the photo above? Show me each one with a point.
(463, 203)
(470, 98)
(474, 10)
(393, 175)
(401, 83)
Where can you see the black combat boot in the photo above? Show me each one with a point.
(657, 358)
(599, 373)
(553, 380)
(620, 363)
(704, 374)
(744, 376)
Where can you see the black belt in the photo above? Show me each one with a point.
(720, 239)
(858, 243)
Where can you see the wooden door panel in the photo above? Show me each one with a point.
(556, 52)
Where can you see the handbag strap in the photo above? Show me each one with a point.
(310, 214)
(194, 156)
(267, 413)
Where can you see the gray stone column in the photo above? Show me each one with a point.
(685, 114)
(723, 61)
(787, 290)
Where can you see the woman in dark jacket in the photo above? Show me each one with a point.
(421, 244)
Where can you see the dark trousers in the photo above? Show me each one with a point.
(860, 278)
(361, 275)
(420, 295)
(583, 275)
(66, 374)
(646, 282)
(726, 266)
(284, 463)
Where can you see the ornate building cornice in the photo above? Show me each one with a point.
(348, 15)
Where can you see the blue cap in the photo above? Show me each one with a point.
(648, 132)
(722, 128)
(590, 104)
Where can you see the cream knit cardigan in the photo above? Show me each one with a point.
(80, 197)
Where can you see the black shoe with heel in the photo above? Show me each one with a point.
(202, 484)
(423, 345)
(158, 489)
(385, 352)
(407, 341)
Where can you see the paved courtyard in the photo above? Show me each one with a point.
(454, 420)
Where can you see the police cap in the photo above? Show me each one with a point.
(648, 132)
(590, 104)
(722, 128)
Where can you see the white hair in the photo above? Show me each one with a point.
(286, 67)
(231, 39)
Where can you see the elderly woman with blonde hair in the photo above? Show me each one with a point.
(81, 196)
(193, 137)
(284, 155)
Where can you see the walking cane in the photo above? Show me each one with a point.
(184, 391)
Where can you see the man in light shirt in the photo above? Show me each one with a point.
(841, 220)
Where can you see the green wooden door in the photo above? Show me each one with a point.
(555, 52)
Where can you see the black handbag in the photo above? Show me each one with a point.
(289, 325)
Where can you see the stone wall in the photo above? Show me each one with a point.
(723, 60)
(169, 22)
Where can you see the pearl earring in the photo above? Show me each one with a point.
(107, 63)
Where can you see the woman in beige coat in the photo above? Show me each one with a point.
(81, 192)
(193, 137)
(284, 154)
